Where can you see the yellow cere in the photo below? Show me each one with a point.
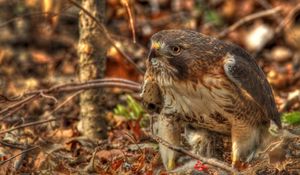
(156, 45)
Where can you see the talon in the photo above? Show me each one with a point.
(239, 165)
(171, 165)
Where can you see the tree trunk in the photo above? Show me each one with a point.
(92, 55)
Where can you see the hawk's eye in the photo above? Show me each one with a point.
(175, 50)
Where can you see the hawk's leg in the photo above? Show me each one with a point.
(204, 142)
(245, 142)
(170, 131)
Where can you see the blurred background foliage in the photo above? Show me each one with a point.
(38, 49)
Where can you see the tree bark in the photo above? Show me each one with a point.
(92, 60)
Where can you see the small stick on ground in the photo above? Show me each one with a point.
(21, 153)
(41, 121)
(28, 125)
(12, 145)
(211, 161)
(248, 19)
(19, 103)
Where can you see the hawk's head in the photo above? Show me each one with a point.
(173, 52)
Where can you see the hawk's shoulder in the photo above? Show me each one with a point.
(242, 70)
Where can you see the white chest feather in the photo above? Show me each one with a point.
(198, 103)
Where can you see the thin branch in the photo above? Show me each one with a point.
(90, 84)
(108, 82)
(49, 97)
(279, 29)
(12, 111)
(28, 124)
(211, 161)
(21, 153)
(64, 102)
(287, 19)
(97, 85)
(107, 35)
(70, 87)
(4, 99)
(134, 141)
(125, 3)
(51, 14)
(265, 4)
(19, 103)
(11, 145)
(248, 19)
(115, 80)
(90, 168)
(41, 121)
(293, 98)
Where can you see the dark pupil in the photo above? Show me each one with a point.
(297, 18)
(175, 49)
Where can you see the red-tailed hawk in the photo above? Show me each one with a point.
(213, 85)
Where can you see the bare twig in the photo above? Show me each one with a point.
(71, 87)
(49, 97)
(21, 153)
(125, 3)
(18, 162)
(265, 4)
(11, 112)
(51, 14)
(248, 19)
(109, 82)
(107, 35)
(90, 168)
(41, 121)
(64, 102)
(85, 86)
(4, 99)
(292, 99)
(11, 145)
(134, 141)
(19, 103)
(115, 80)
(279, 29)
(211, 161)
(28, 124)
(287, 19)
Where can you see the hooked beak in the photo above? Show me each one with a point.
(154, 51)
(153, 54)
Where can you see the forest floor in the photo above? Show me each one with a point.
(39, 51)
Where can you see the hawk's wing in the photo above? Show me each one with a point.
(243, 71)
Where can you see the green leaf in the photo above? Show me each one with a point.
(135, 107)
(132, 111)
(291, 118)
(122, 111)
(211, 16)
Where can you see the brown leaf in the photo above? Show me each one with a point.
(41, 57)
(117, 164)
(136, 129)
(39, 160)
(63, 134)
(109, 154)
